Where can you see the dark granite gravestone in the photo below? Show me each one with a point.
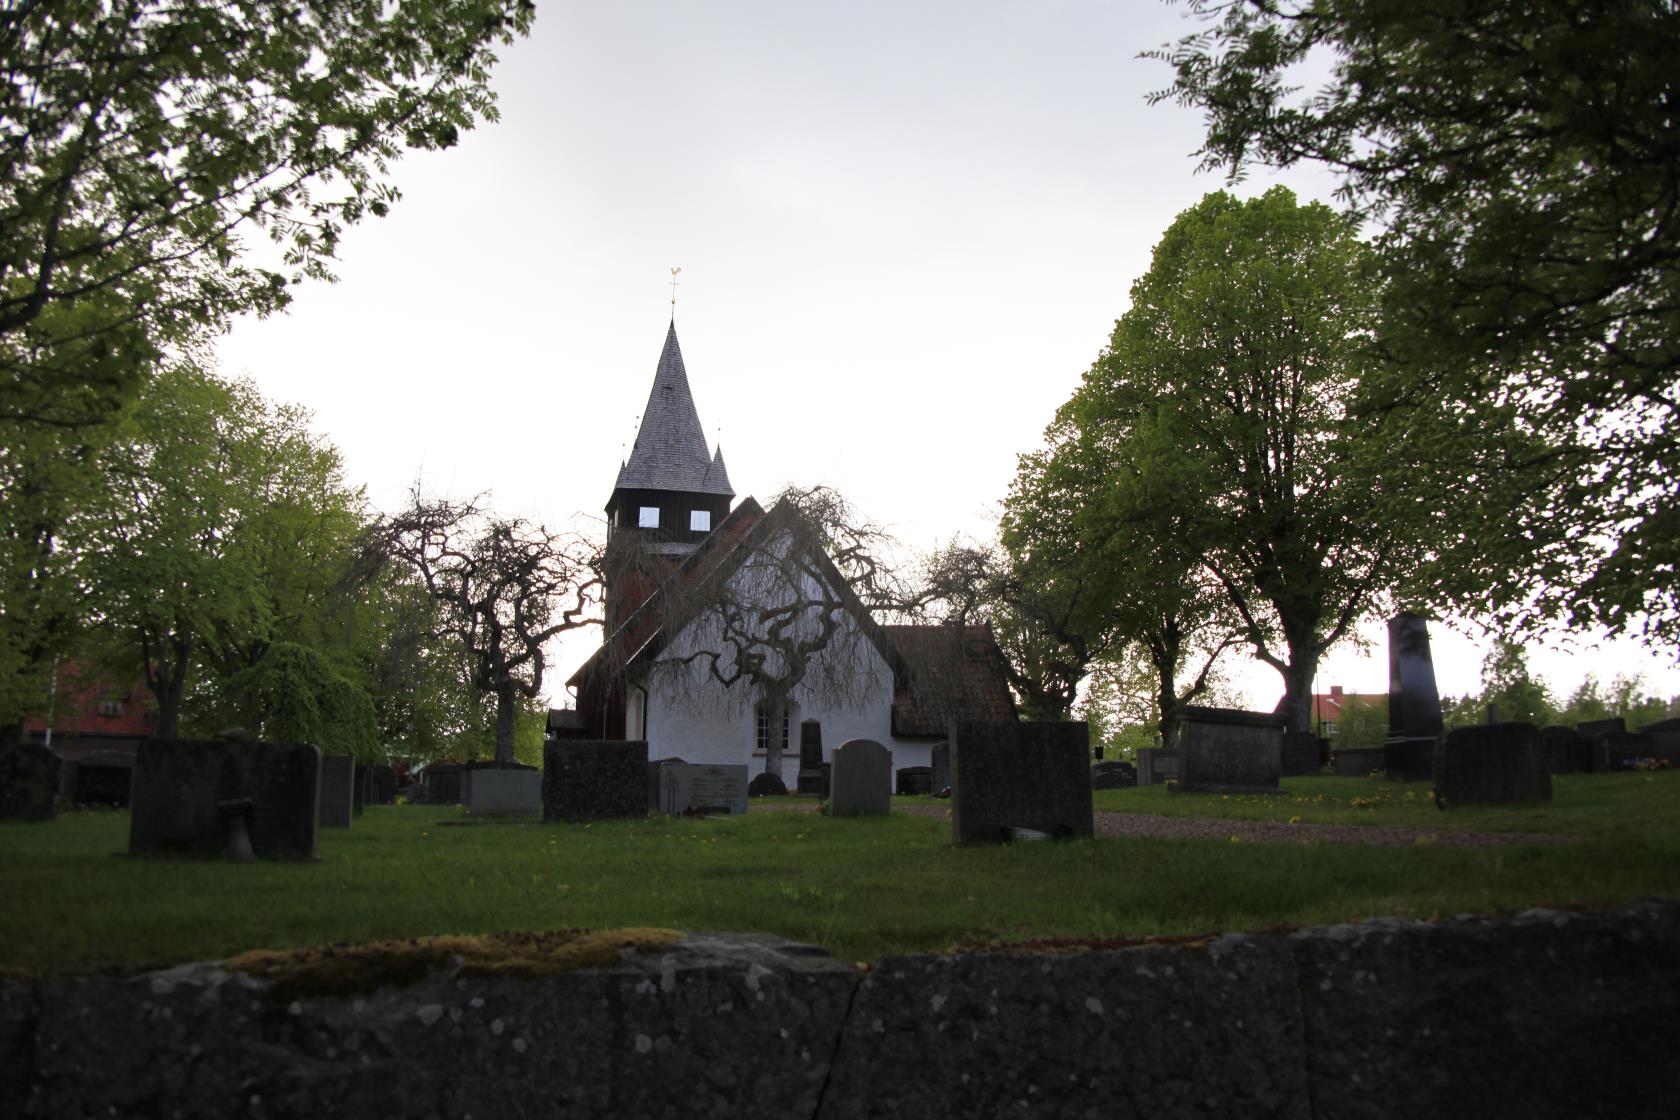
(1300, 753)
(1012, 775)
(180, 786)
(1619, 750)
(1491, 764)
(594, 779)
(1157, 764)
(443, 783)
(382, 784)
(766, 784)
(1113, 775)
(654, 769)
(813, 771)
(940, 759)
(1414, 704)
(1227, 750)
(686, 788)
(30, 778)
(1593, 728)
(1665, 739)
(1357, 762)
(103, 778)
(338, 774)
(1566, 751)
(914, 781)
(359, 790)
(860, 783)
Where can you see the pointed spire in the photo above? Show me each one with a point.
(670, 450)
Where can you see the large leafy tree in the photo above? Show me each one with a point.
(139, 137)
(1520, 158)
(502, 588)
(1220, 401)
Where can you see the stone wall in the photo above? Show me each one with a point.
(1545, 1014)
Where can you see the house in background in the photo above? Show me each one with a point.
(677, 665)
(89, 713)
(1350, 719)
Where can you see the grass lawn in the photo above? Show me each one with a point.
(73, 902)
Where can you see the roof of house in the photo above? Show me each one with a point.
(951, 675)
(670, 450)
(87, 702)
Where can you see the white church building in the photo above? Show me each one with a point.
(709, 608)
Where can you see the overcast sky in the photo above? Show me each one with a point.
(905, 231)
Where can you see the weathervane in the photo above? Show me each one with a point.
(674, 272)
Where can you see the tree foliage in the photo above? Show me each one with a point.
(1208, 462)
(1521, 158)
(137, 140)
(503, 587)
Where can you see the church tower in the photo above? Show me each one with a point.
(670, 493)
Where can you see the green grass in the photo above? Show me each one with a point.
(73, 903)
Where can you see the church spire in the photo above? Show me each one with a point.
(670, 452)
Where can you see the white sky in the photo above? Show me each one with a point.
(905, 232)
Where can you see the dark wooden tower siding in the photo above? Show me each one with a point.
(670, 494)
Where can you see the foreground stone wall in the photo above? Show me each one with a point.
(1545, 1014)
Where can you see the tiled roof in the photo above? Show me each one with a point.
(670, 451)
(948, 676)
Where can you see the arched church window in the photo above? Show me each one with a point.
(761, 720)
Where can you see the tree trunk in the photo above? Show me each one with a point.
(507, 712)
(1297, 690)
(166, 676)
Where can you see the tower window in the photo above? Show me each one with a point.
(648, 517)
(700, 521)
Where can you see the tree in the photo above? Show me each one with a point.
(1220, 401)
(138, 139)
(1510, 689)
(793, 612)
(1049, 629)
(1088, 514)
(160, 566)
(503, 588)
(1521, 158)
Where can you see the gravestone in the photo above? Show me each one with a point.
(382, 784)
(1491, 764)
(1227, 750)
(1665, 739)
(860, 783)
(813, 771)
(1156, 765)
(180, 787)
(359, 790)
(1357, 762)
(766, 784)
(1566, 751)
(337, 796)
(1414, 704)
(654, 769)
(443, 783)
(915, 781)
(1300, 753)
(594, 779)
(687, 788)
(1014, 775)
(1618, 750)
(1592, 728)
(940, 759)
(103, 778)
(30, 777)
(1113, 775)
(505, 791)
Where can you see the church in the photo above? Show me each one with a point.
(719, 613)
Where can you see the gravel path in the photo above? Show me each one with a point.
(1272, 832)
